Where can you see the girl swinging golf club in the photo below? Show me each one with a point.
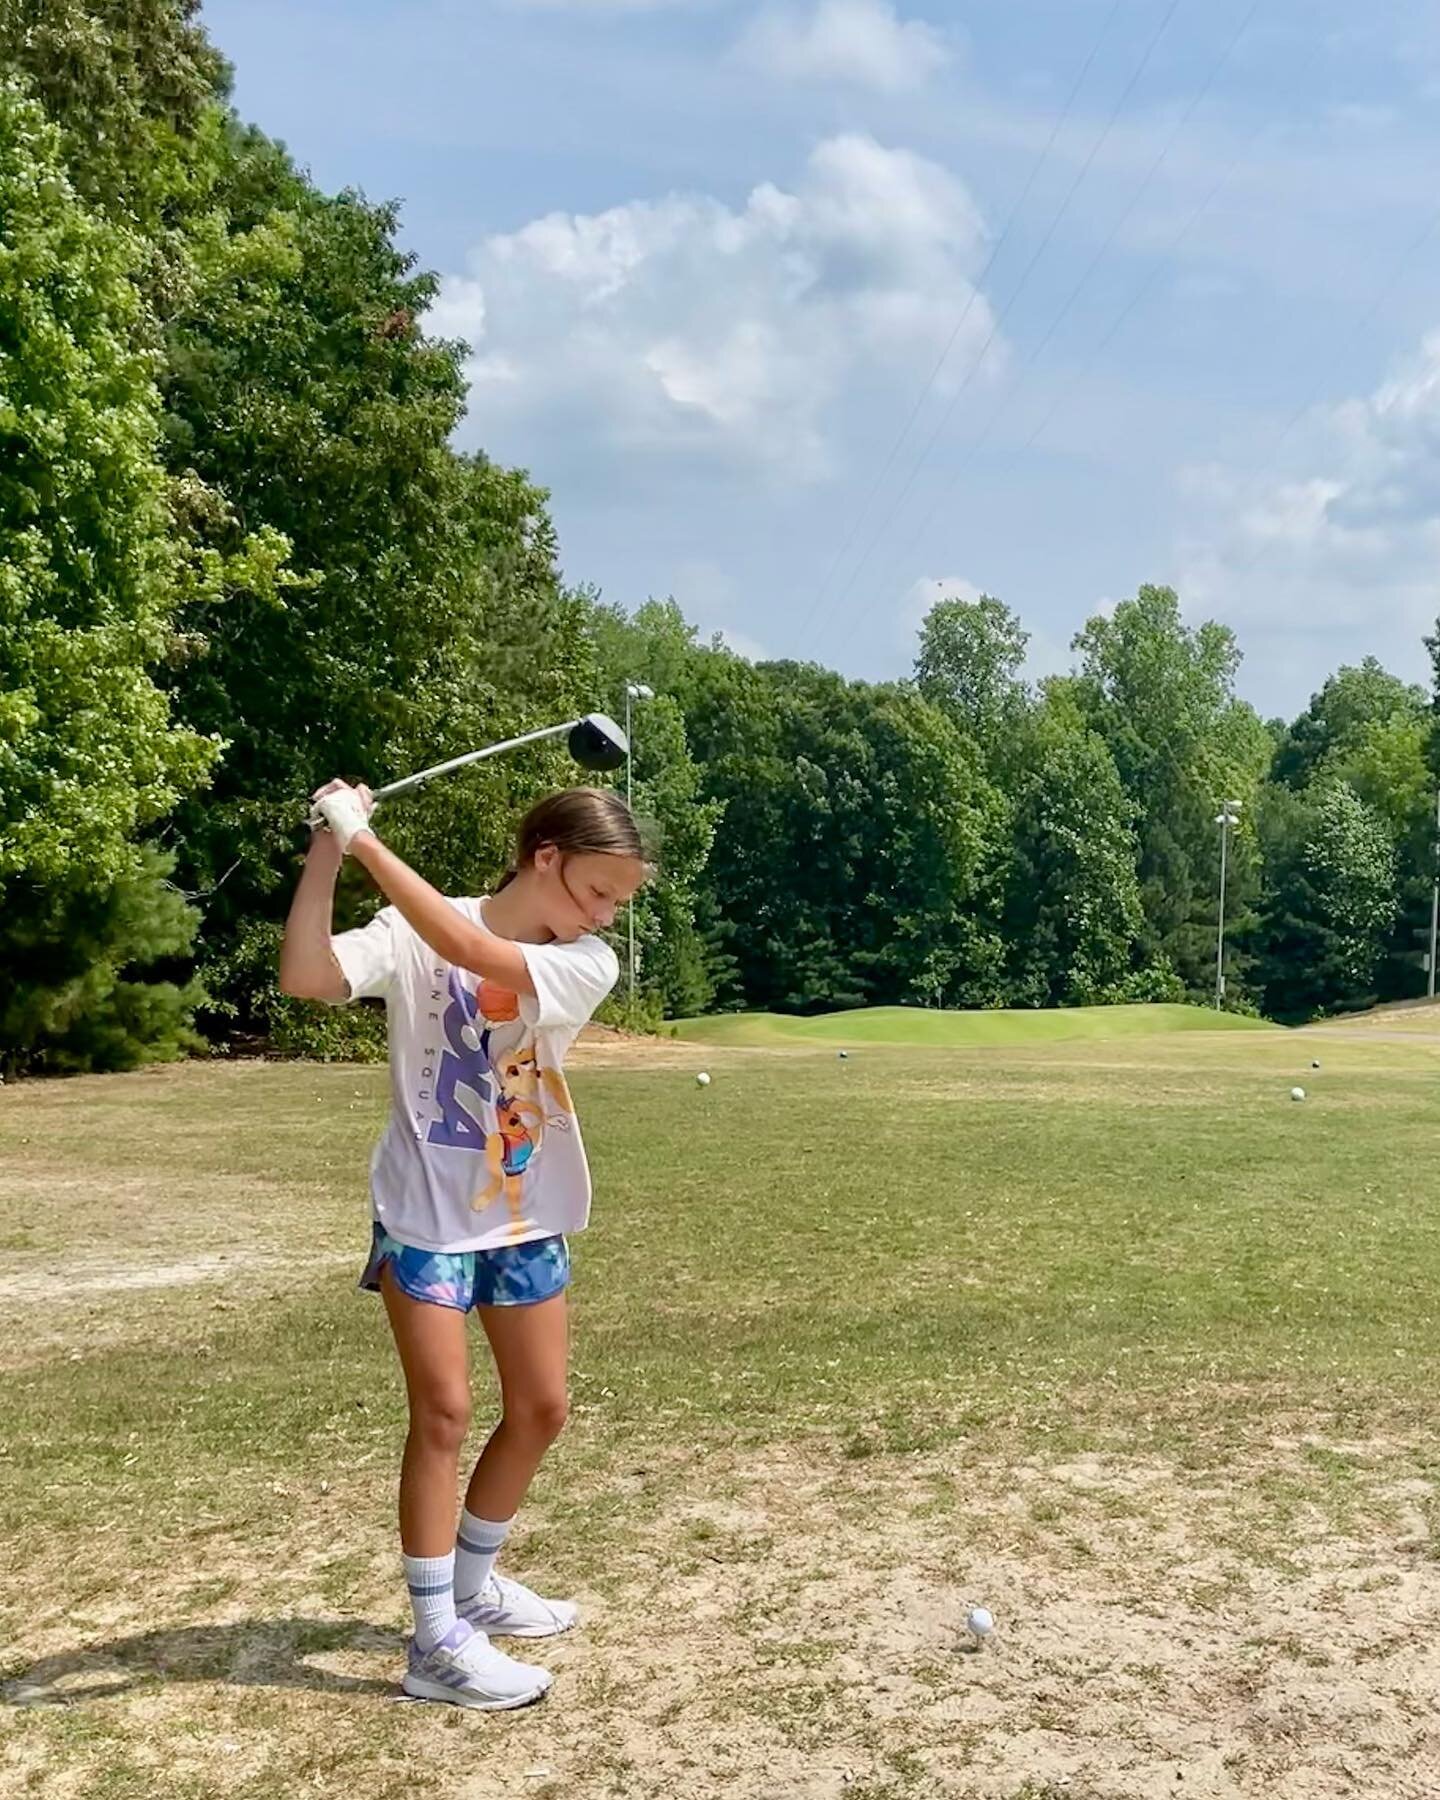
(476, 1183)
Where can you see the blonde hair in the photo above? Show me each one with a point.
(583, 821)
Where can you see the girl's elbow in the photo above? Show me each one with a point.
(307, 984)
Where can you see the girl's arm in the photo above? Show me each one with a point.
(308, 969)
(443, 927)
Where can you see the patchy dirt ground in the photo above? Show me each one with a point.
(598, 1046)
(778, 1623)
(798, 1630)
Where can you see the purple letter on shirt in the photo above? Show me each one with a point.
(462, 1062)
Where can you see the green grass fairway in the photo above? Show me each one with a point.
(1108, 1335)
(958, 1030)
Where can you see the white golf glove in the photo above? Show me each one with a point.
(343, 811)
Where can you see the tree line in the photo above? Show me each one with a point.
(238, 554)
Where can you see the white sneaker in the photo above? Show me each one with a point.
(507, 1609)
(466, 1669)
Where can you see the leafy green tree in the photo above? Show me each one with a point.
(1387, 765)
(680, 960)
(1330, 900)
(858, 830)
(1347, 710)
(89, 755)
(1161, 694)
(1073, 914)
(128, 82)
(969, 661)
(419, 613)
(80, 987)
(1370, 730)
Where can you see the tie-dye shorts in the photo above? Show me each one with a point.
(515, 1275)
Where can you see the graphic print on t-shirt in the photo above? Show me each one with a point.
(455, 1055)
(509, 1088)
(465, 1062)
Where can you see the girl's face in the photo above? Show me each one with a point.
(582, 891)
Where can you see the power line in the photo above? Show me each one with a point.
(930, 380)
(1176, 240)
(1157, 270)
(1044, 244)
(1159, 267)
(1034, 355)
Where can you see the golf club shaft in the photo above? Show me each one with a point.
(459, 762)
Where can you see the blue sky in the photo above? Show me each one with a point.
(808, 312)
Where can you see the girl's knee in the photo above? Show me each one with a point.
(442, 1420)
(539, 1417)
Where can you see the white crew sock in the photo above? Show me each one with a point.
(431, 1581)
(476, 1548)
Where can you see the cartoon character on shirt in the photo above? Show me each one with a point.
(521, 1077)
(519, 1111)
(508, 1151)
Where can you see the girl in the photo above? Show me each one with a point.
(475, 1184)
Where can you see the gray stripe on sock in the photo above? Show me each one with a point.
(476, 1549)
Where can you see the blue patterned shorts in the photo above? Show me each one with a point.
(515, 1275)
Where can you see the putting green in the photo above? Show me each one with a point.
(959, 1030)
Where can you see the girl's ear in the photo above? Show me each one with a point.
(545, 858)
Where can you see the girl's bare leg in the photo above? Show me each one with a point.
(531, 1346)
(435, 1357)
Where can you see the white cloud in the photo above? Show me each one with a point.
(1337, 554)
(863, 42)
(682, 326)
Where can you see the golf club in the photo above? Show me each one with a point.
(595, 742)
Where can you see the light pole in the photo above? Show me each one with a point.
(634, 690)
(1228, 816)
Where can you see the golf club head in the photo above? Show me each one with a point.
(597, 742)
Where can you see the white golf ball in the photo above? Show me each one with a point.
(702, 1079)
(844, 1055)
(1297, 1093)
(979, 1622)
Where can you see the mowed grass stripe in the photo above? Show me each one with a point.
(919, 1026)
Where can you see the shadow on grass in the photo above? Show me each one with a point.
(249, 1653)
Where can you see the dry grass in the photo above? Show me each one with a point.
(1119, 1342)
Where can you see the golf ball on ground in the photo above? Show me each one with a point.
(844, 1055)
(1297, 1093)
(979, 1622)
(702, 1079)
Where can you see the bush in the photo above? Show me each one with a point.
(71, 996)
(290, 1027)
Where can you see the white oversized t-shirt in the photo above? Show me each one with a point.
(482, 1147)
